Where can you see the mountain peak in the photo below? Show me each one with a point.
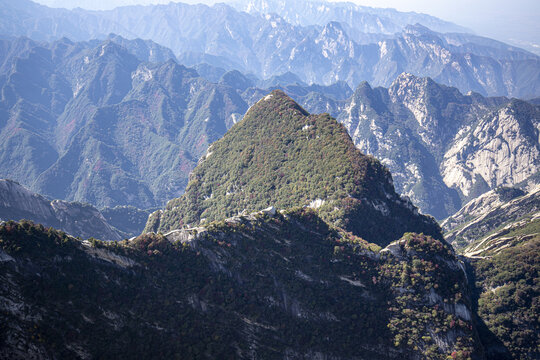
(417, 30)
(279, 155)
(277, 100)
(406, 77)
(407, 82)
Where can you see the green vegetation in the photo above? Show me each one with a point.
(530, 228)
(421, 274)
(280, 156)
(287, 283)
(509, 291)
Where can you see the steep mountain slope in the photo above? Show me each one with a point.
(499, 235)
(92, 122)
(251, 287)
(267, 45)
(281, 156)
(17, 202)
(507, 286)
(484, 222)
(441, 146)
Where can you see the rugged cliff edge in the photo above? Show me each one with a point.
(444, 148)
(267, 285)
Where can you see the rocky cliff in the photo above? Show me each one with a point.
(77, 219)
(258, 286)
(443, 147)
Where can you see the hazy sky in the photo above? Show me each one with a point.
(506, 20)
(503, 19)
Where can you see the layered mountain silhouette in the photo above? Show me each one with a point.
(338, 45)
(364, 19)
(98, 122)
(92, 122)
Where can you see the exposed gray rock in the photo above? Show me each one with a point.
(502, 149)
(443, 147)
(77, 219)
(489, 217)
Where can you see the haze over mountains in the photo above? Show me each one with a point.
(268, 45)
(490, 18)
(104, 106)
(107, 121)
(294, 164)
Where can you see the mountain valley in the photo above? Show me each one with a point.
(265, 179)
(173, 113)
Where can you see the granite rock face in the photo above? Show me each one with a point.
(502, 149)
(442, 147)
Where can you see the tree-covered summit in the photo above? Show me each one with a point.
(281, 156)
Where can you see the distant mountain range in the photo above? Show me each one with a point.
(442, 147)
(92, 122)
(115, 122)
(111, 122)
(345, 42)
(360, 19)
